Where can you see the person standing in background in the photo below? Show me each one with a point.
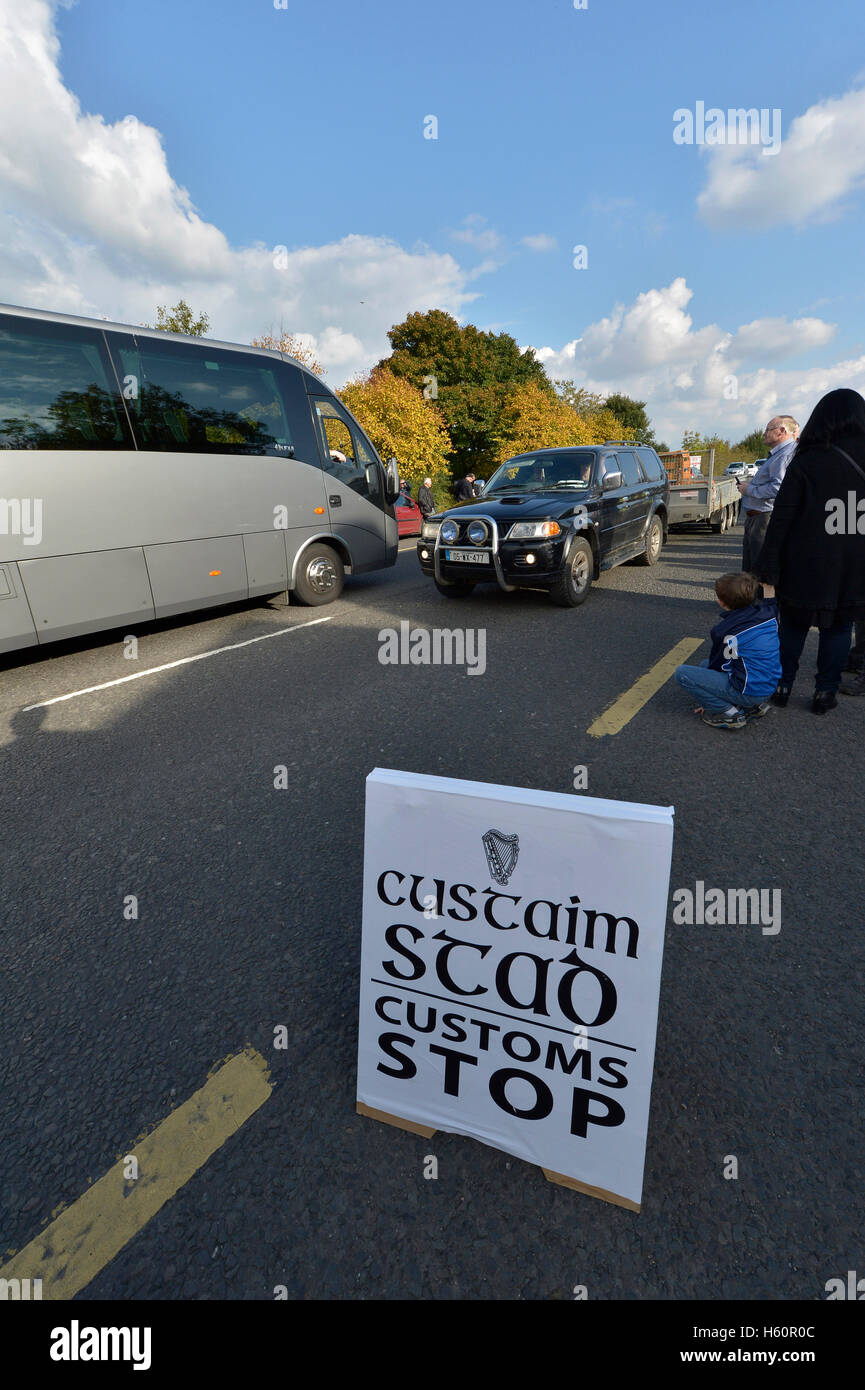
(464, 491)
(758, 495)
(425, 499)
(817, 566)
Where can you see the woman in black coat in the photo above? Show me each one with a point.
(814, 551)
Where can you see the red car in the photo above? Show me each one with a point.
(409, 518)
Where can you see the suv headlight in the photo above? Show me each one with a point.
(449, 532)
(430, 530)
(533, 530)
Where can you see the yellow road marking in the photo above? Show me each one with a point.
(72, 1250)
(616, 715)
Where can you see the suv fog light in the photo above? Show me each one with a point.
(530, 559)
(424, 554)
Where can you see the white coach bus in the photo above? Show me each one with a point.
(144, 474)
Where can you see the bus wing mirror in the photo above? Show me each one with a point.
(392, 480)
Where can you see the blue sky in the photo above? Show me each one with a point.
(303, 127)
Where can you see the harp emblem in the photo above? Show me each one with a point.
(502, 852)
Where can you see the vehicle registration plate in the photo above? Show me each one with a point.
(468, 557)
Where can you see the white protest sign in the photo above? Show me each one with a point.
(510, 970)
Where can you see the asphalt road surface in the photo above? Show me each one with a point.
(248, 897)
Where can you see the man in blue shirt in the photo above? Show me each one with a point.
(759, 495)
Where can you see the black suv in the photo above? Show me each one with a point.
(552, 519)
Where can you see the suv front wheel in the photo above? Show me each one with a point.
(573, 584)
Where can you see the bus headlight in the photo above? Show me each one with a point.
(534, 530)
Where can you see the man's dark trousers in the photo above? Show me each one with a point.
(756, 526)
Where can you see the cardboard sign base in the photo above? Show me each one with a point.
(576, 1186)
(573, 1183)
(411, 1125)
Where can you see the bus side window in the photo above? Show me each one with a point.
(57, 390)
(194, 398)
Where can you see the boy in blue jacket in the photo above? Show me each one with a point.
(744, 666)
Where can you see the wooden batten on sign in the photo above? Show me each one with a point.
(589, 1191)
(424, 1130)
(395, 1120)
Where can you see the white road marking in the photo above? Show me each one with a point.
(169, 665)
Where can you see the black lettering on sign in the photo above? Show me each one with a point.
(581, 1116)
(453, 1062)
(543, 1095)
(393, 941)
(388, 1043)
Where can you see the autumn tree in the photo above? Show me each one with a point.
(402, 423)
(470, 373)
(604, 421)
(535, 418)
(292, 347)
(179, 319)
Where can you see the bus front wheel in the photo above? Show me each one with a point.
(320, 577)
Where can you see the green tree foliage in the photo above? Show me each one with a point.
(599, 420)
(753, 443)
(179, 319)
(475, 373)
(585, 403)
(747, 450)
(633, 416)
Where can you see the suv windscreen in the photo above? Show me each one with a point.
(537, 472)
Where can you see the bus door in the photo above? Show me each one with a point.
(354, 484)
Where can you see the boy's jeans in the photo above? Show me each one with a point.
(713, 689)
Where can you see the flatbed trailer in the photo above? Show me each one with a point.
(697, 494)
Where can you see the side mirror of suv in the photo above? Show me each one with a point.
(612, 481)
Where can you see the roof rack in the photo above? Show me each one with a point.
(632, 443)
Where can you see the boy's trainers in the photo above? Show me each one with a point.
(725, 719)
(757, 711)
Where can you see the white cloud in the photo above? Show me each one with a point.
(475, 232)
(651, 350)
(541, 242)
(820, 162)
(775, 338)
(95, 224)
